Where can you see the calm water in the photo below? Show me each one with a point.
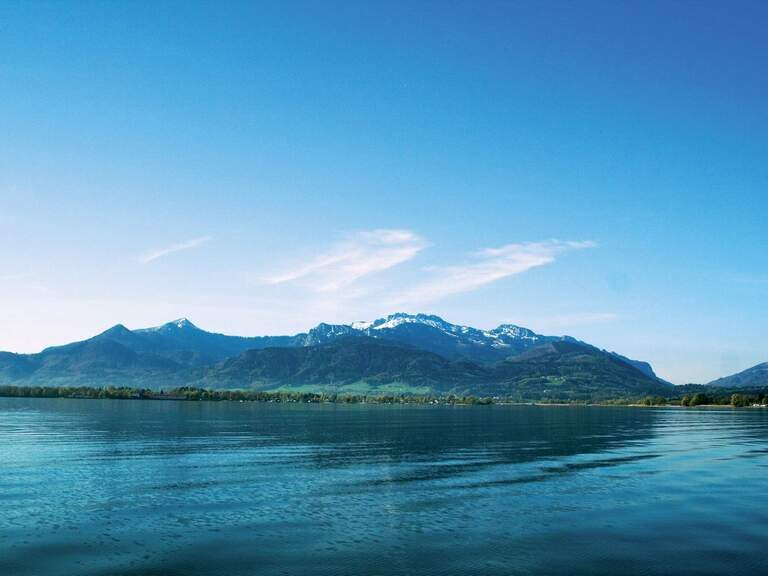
(128, 487)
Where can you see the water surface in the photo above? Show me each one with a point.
(91, 487)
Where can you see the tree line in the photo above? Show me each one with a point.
(719, 398)
(737, 400)
(203, 394)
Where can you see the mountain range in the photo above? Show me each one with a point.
(401, 353)
(755, 377)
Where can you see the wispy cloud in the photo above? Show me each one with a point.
(361, 254)
(152, 255)
(486, 267)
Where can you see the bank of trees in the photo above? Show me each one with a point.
(75, 392)
(654, 401)
(738, 400)
(698, 399)
(716, 398)
(203, 394)
(720, 397)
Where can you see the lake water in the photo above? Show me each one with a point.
(92, 487)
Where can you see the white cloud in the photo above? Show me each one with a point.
(363, 253)
(160, 252)
(488, 266)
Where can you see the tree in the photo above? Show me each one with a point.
(699, 399)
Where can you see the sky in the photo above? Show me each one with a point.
(596, 169)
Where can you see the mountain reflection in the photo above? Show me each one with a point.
(407, 443)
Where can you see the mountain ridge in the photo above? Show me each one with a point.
(453, 341)
(359, 363)
(415, 352)
(754, 376)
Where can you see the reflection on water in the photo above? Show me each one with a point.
(130, 487)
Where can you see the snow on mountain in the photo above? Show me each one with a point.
(178, 324)
(432, 333)
(323, 333)
(512, 331)
(452, 341)
(499, 337)
(398, 319)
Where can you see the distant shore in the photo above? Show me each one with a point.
(187, 394)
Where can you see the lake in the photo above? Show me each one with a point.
(92, 487)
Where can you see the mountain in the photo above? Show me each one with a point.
(399, 353)
(347, 361)
(324, 333)
(150, 357)
(450, 340)
(754, 377)
(16, 366)
(180, 342)
(644, 367)
(359, 363)
(573, 370)
(188, 345)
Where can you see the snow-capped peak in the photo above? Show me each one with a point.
(394, 321)
(326, 332)
(398, 327)
(500, 334)
(399, 318)
(178, 324)
(516, 332)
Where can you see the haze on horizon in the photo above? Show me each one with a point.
(593, 169)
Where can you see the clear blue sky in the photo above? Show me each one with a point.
(592, 168)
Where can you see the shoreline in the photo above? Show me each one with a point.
(189, 394)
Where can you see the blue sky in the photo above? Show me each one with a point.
(598, 169)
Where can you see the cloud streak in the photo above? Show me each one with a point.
(486, 267)
(361, 254)
(153, 255)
